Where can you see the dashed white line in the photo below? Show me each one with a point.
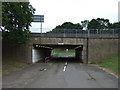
(66, 63)
(64, 69)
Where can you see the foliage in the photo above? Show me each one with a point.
(16, 19)
(69, 25)
(99, 23)
(115, 25)
(63, 52)
(66, 25)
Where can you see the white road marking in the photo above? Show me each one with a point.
(64, 69)
(66, 63)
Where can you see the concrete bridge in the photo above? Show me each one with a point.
(90, 49)
(50, 43)
(87, 49)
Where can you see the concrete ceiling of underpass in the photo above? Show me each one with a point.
(59, 46)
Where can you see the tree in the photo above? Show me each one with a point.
(104, 23)
(66, 25)
(93, 24)
(115, 25)
(16, 19)
(69, 25)
(99, 23)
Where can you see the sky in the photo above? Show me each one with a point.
(56, 12)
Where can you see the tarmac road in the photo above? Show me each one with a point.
(62, 74)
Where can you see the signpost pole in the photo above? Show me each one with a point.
(41, 29)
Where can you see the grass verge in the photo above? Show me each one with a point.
(63, 52)
(112, 65)
(9, 66)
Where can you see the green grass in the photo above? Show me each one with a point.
(9, 66)
(111, 64)
(63, 52)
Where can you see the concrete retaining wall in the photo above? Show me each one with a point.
(13, 52)
(36, 56)
(40, 54)
(102, 49)
(27, 53)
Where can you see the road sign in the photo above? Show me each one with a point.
(38, 18)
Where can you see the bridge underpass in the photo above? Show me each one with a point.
(42, 52)
(93, 49)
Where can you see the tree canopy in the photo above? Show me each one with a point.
(16, 19)
(66, 25)
(69, 25)
(99, 23)
(115, 25)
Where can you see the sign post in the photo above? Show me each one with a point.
(39, 18)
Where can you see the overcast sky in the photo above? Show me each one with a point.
(56, 12)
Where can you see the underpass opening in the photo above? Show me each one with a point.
(70, 53)
(57, 53)
(62, 55)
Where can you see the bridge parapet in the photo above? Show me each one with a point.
(78, 33)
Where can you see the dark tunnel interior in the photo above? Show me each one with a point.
(57, 53)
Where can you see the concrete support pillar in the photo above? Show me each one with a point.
(85, 51)
(84, 54)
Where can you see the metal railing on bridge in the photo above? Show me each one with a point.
(80, 33)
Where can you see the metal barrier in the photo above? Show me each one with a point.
(80, 33)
